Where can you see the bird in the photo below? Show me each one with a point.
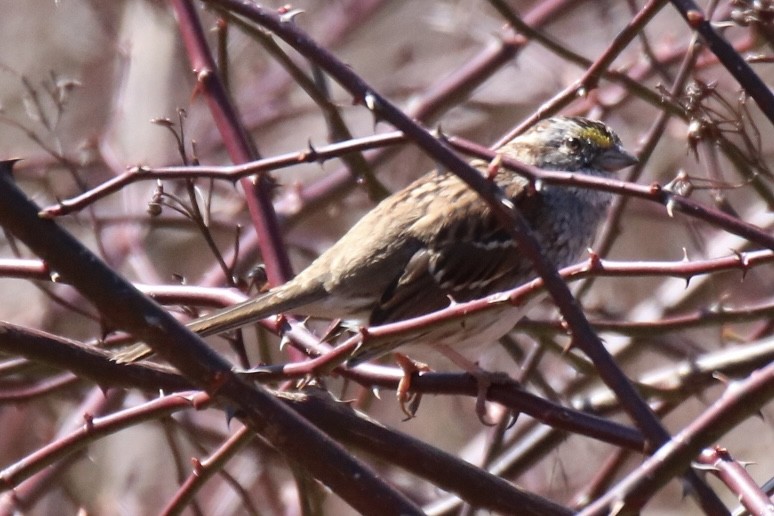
(436, 242)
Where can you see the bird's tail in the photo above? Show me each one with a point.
(232, 317)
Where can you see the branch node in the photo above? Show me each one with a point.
(595, 262)
(695, 18)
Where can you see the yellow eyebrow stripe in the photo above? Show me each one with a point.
(597, 137)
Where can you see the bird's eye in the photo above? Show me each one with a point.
(572, 143)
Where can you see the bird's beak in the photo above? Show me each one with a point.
(615, 158)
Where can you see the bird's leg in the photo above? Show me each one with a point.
(484, 378)
(409, 367)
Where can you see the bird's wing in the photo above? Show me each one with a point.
(469, 256)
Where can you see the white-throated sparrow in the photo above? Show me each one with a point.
(436, 241)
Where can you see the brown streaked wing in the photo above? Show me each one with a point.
(470, 256)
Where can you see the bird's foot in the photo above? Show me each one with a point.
(409, 402)
(484, 379)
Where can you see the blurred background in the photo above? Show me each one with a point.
(84, 85)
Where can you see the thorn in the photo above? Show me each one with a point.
(704, 467)
(163, 122)
(288, 15)
(88, 418)
(725, 380)
(744, 261)
(198, 469)
(370, 101)
(564, 325)
(686, 260)
(6, 165)
(351, 362)
(311, 154)
(49, 213)
(348, 403)
(670, 207)
(595, 262)
(493, 167)
(569, 345)
(230, 413)
(198, 89)
(284, 341)
(514, 416)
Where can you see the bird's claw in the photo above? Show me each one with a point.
(484, 380)
(409, 402)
